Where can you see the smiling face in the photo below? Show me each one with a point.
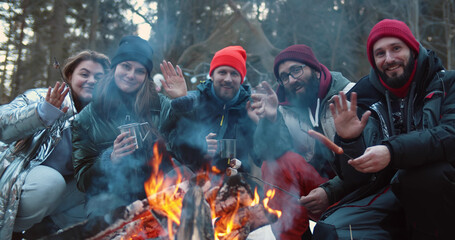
(226, 82)
(394, 60)
(303, 88)
(129, 76)
(83, 80)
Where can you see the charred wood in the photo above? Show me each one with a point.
(196, 219)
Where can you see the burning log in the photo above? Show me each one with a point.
(196, 219)
(103, 226)
(246, 220)
(238, 213)
(106, 227)
(234, 193)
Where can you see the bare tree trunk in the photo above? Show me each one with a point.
(449, 30)
(165, 21)
(335, 50)
(93, 25)
(16, 82)
(3, 95)
(56, 42)
(414, 16)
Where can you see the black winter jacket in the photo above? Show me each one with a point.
(205, 115)
(425, 135)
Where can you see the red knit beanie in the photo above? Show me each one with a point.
(390, 28)
(300, 53)
(232, 56)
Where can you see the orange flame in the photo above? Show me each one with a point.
(256, 197)
(270, 194)
(219, 231)
(163, 194)
(215, 170)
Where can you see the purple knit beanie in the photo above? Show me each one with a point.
(300, 53)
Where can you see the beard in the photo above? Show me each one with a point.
(307, 98)
(399, 81)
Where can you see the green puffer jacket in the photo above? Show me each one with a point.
(92, 136)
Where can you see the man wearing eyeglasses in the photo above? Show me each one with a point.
(294, 160)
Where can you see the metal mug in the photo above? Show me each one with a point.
(228, 149)
(135, 130)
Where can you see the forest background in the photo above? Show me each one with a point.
(188, 33)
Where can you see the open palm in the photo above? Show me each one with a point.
(347, 124)
(174, 83)
(265, 104)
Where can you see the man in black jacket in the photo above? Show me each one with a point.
(215, 110)
(409, 140)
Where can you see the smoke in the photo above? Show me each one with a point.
(117, 184)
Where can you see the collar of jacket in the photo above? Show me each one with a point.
(242, 96)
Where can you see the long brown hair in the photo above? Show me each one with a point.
(72, 62)
(145, 104)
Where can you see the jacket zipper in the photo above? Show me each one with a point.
(222, 117)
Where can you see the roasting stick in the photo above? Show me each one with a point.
(350, 230)
(274, 186)
(329, 144)
(324, 140)
(57, 66)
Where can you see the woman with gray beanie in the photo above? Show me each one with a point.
(111, 167)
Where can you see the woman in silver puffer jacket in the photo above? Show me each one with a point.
(36, 173)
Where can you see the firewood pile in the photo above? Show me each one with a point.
(126, 222)
(233, 207)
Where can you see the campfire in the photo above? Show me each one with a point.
(182, 207)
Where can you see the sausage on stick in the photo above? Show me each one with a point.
(326, 141)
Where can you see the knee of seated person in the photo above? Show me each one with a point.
(41, 192)
(44, 185)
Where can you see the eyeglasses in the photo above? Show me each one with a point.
(294, 71)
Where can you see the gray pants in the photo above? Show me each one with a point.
(45, 193)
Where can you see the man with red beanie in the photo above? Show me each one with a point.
(403, 145)
(216, 111)
(292, 159)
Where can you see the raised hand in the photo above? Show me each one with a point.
(123, 146)
(374, 159)
(174, 83)
(347, 124)
(56, 95)
(264, 105)
(251, 113)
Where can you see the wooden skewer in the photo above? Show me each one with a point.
(350, 230)
(274, 186)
